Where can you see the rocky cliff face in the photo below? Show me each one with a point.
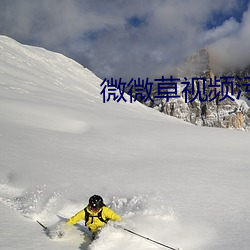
(210, 99)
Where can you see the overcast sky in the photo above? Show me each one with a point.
(131, 38)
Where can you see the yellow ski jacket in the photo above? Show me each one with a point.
(94, 223)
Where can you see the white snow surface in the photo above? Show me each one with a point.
(182, 185)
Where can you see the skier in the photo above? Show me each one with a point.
(95, 214)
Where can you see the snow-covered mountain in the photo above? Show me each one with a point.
(179, 184)
(230, 108)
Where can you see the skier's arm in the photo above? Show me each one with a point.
(77, 217)
(110, 214)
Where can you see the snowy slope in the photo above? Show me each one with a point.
(176, 183)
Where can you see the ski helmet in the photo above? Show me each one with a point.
(95, 202)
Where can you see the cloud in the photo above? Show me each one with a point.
(232, 50)
(229, 27)
(117, 38)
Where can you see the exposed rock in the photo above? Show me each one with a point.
(207, 109)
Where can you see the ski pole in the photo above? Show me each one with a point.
(45, 228)
(146, 238)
